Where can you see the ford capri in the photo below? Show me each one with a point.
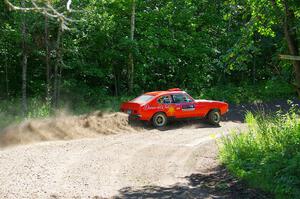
(159, 107)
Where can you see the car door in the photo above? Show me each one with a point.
(165, 102)
(185, 106)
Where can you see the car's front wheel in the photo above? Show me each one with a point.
(159, 120)
(214, 117)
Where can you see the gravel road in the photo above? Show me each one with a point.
(103, 166)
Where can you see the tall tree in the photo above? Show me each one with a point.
(290, 32)
(48, 10)
(6, 76)
(57, 68)
(272, 18)
(47, 60)
(24, 61)
(131, 61)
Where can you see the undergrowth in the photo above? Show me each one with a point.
(249, 93)
(267, 156)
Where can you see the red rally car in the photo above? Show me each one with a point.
(159, 106)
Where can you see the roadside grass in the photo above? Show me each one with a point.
(268, 155)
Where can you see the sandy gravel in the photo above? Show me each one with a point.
(102, 166)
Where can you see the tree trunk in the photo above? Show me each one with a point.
(290, 36)
(47, 61)
(59, 74)
(116, 85)
(131, 62)
(115, 80)
(24, 63)
(117, 74)
(6, 78)
(254, 71)
(57, 69)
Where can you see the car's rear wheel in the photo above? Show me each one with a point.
(214, 117)
(159, 120)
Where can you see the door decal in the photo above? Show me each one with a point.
(188, 107)
(171, 110)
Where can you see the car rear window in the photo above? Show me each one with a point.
(143, 98)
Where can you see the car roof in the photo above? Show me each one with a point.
(159, 93)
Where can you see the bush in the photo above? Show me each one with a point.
(268, 155)
(10, 111)
(39, 109)
(249, 93)
(105, 103)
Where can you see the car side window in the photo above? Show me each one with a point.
(164, 99)
(178, 98)
(181, 98)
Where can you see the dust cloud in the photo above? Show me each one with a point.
(66, 127)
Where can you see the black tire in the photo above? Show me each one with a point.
(214, 117)
(159, 120)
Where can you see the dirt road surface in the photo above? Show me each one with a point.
(112, 165)
(100, 156)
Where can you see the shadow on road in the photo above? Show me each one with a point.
(237, 112)
(216, 184)
(174, 124)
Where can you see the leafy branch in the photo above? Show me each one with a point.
(46, 9)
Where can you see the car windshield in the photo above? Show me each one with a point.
(143, 98)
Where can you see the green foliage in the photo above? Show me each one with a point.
(39, 109)
(249, 93)
(106, 104)
(267, 156)
(10, 111)
(190, 44)
(224, 50)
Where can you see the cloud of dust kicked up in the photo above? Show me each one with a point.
(66, 128)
